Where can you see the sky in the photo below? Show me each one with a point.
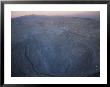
(90, 14)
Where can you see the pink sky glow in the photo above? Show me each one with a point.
(57, 13)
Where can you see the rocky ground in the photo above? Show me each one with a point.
(55, 46)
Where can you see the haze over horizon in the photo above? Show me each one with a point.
(84, 14)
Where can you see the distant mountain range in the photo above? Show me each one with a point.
(88, 17)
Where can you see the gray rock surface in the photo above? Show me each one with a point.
(55, 46)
